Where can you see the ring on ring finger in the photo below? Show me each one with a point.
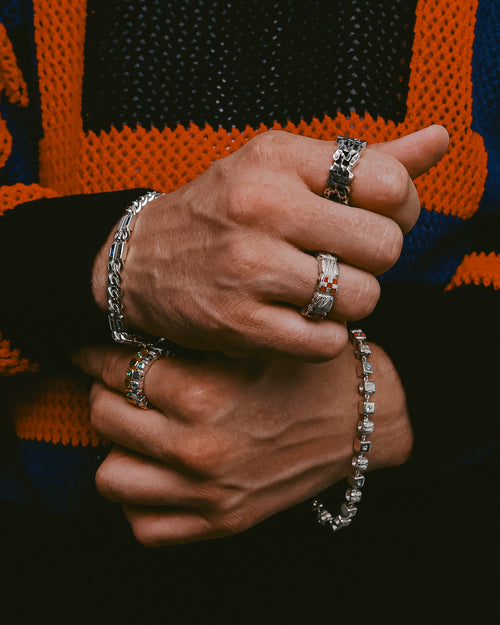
(324, 295)
(136, 374)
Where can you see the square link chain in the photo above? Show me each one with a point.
(362, 444)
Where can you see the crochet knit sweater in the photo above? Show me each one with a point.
(102, 99)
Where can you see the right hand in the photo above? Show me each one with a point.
(232, 442)
(225, 263)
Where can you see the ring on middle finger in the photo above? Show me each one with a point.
(344, 158)
(326, 288)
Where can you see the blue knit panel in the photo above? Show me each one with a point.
(426, 258)
(57, 479)
(22, 164)
(486, 94)
(12, 12)
(24, 124)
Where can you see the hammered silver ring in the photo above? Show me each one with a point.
(344, 158)
(136, 374)
(326, 288)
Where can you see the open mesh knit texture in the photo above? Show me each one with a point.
(86, 148)
(117, 113)
(233, 64)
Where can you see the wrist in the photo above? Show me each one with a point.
(100, 272)
(107, 284)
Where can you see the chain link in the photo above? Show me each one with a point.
(117, 255)
(344, 158)
(362, 443)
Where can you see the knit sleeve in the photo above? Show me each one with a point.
(49, 245)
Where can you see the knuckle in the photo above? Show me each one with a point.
(324, 350)
(272, 150)
(393, 183)
(229, 523)
(389, 243)
(366, 297)
(146, 538)
(203, 454)
(146, 531)
(201, 405)
(112, 363)
(105, 480)
(262, 148)
(246, 264)
(98, 408)
(241, 202)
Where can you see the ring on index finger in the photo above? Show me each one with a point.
(344, 158)
(136, 374)
(324, 296)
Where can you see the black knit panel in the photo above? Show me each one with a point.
(160, 62)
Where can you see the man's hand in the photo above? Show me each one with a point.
(232, 442)
(226, 262)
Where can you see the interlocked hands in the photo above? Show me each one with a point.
(224, 264)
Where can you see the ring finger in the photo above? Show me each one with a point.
(356, 296)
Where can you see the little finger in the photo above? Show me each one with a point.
(160, 527)
(132, 479)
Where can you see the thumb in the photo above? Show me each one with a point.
(418, 151)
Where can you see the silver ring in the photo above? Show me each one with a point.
(136, 374)
(344, 158)
(324, 296)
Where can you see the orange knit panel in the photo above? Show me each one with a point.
(5, 142)
(11, 196)
(478, 269)
(54, 410)
(11, 362)
(167, 159)
(59, 38)
(440, 91)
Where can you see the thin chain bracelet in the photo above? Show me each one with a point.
(117, 255)
(362, 443)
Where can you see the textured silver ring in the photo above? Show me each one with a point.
(324, 296)
(136, 374)
(344, 158)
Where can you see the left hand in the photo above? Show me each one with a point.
(226, 262)
(233, 442)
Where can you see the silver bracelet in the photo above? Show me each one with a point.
(117, 255)
(362, 443)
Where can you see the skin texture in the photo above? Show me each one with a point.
(232, 442)
(225, 262)
(223, 265)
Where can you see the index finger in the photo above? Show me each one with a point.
(163, 380)
(417, 152)
(111, 365)
(382, 180)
